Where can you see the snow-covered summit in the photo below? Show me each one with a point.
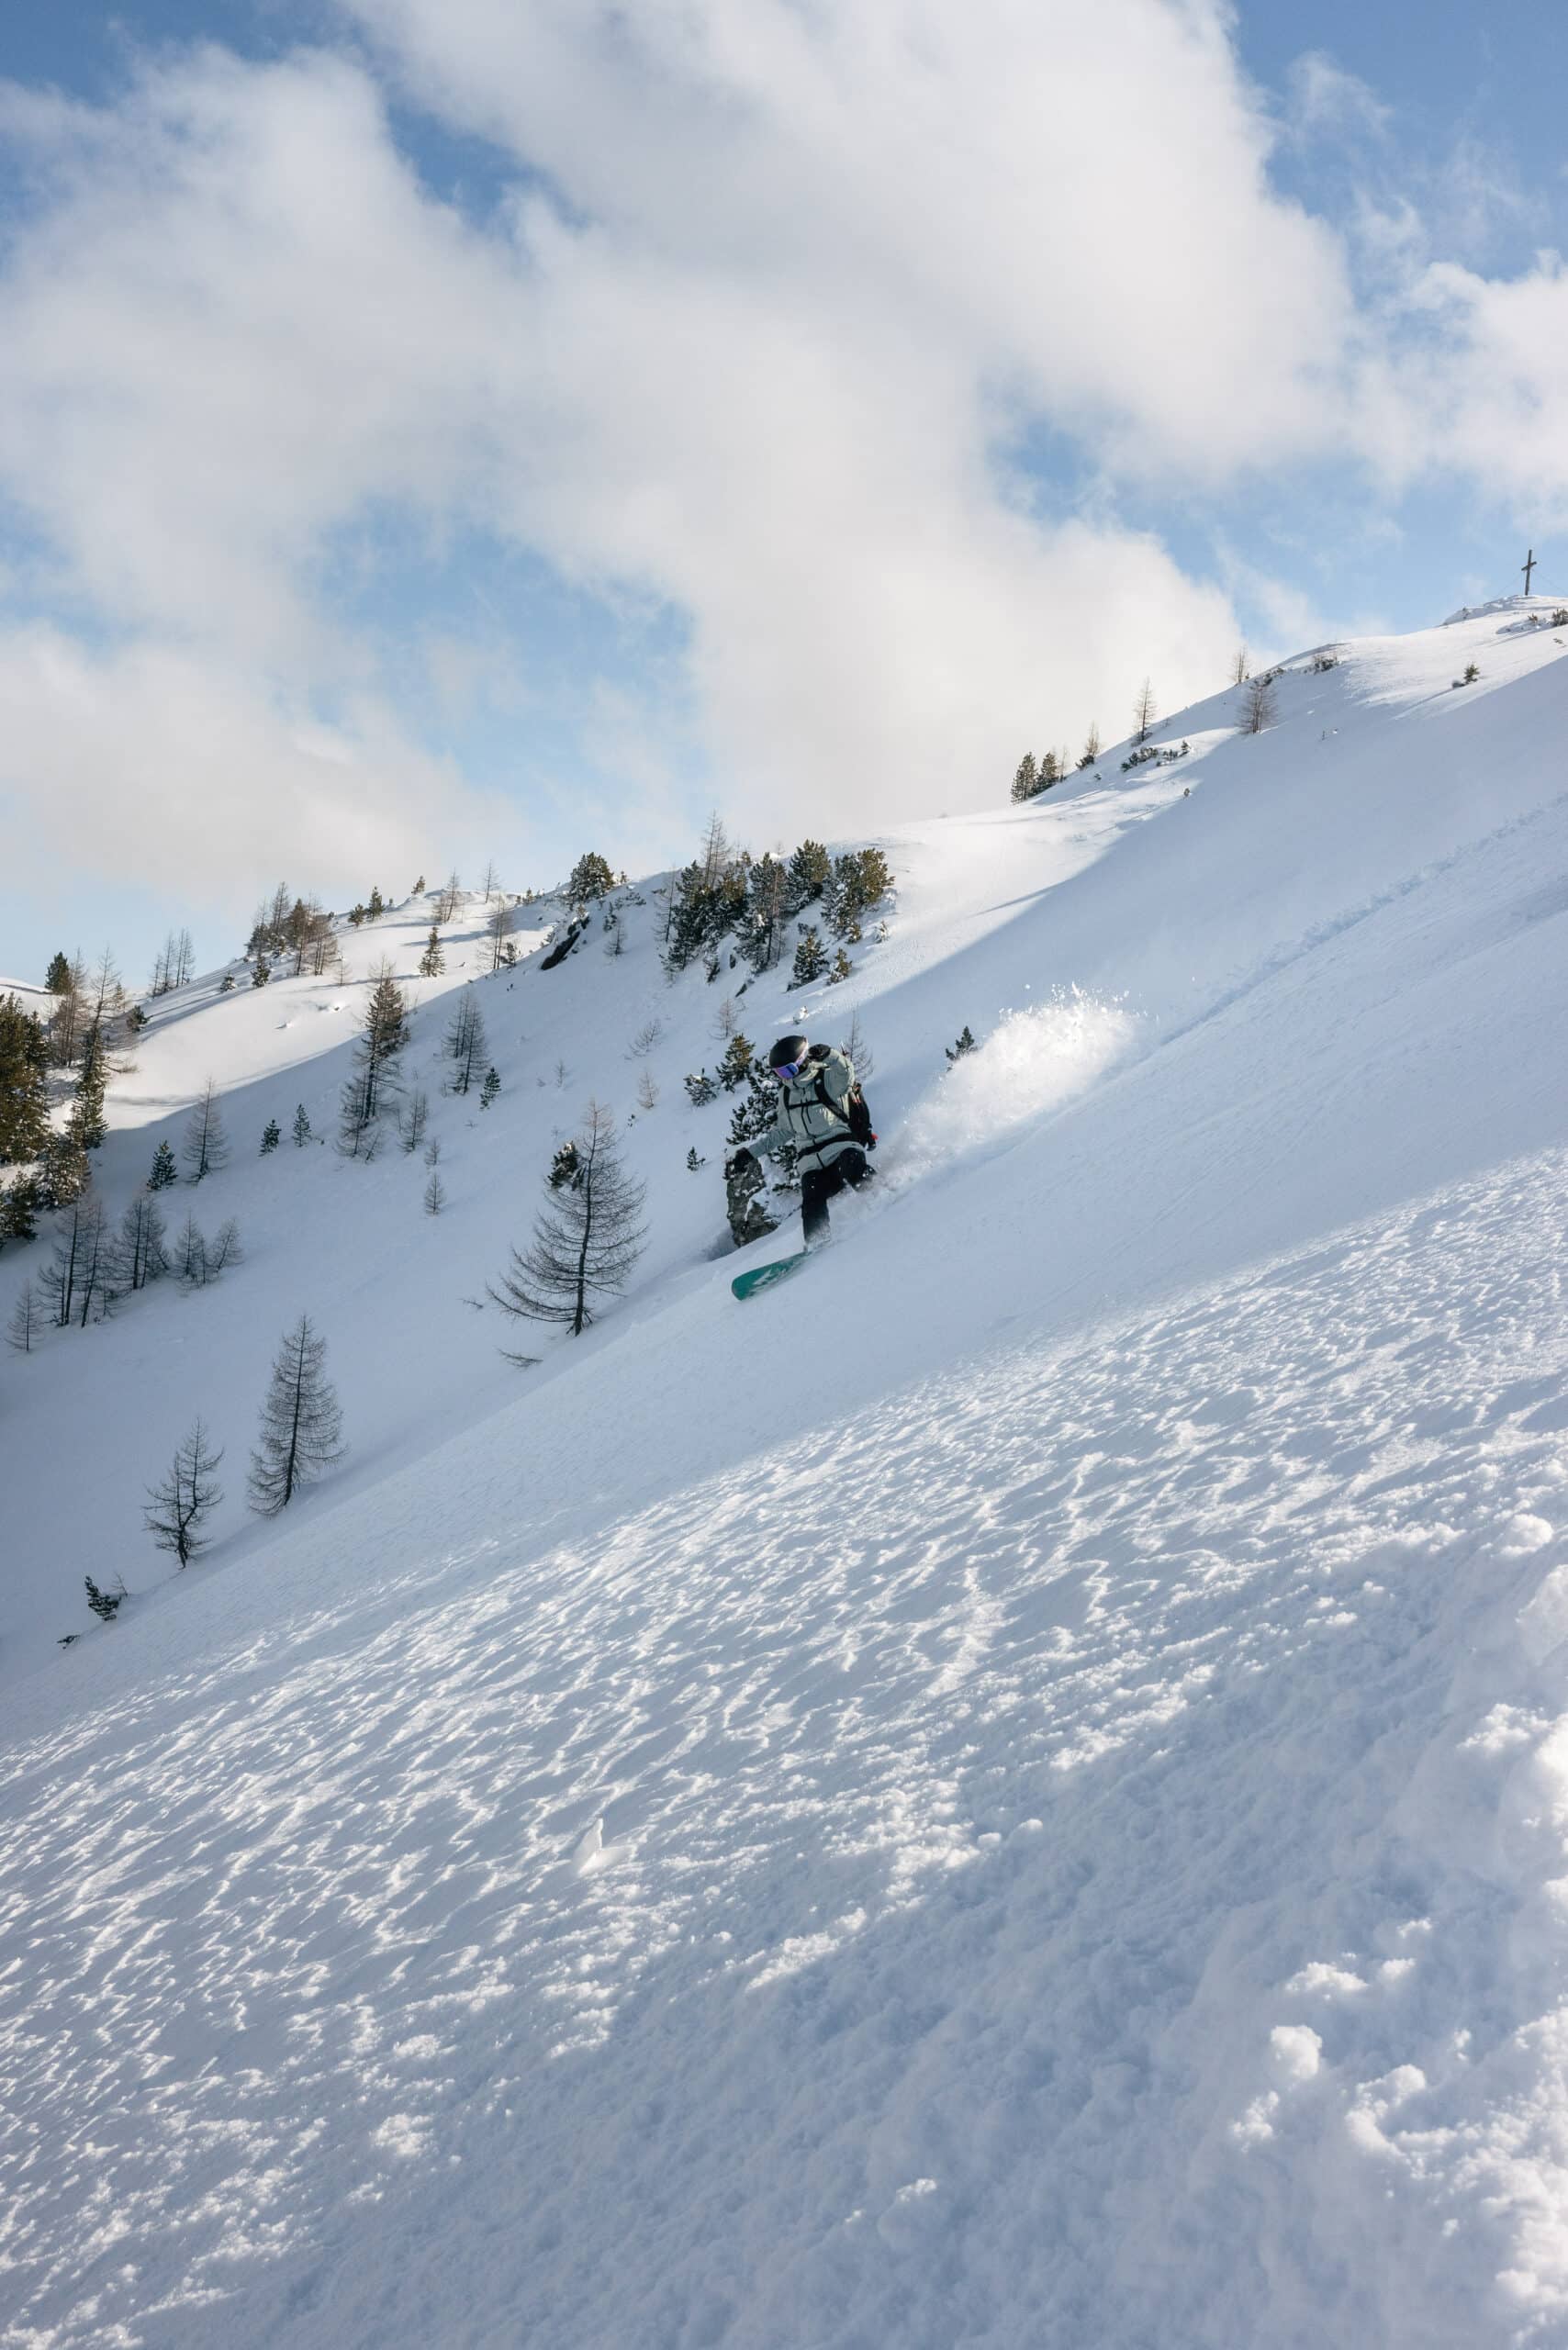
(1009, 1790)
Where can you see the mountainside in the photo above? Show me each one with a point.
(1014, 1790)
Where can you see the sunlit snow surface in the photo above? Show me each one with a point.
(1014, 1792)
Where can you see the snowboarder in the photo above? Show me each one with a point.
(823, 1111)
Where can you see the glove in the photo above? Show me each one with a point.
(749, 1156)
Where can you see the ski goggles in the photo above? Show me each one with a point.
(788, 1070)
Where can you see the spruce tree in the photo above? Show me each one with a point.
(301, 1129)
(164, 1171)
(205, 1146)
(19, 1203)
(767, 906)
(737, 1061)
(177, 1508)
(586, 1240)
(262, 973)
(591, 877)
(965, 1044)
(843, 968)
(272, 1135)
(490, 1088)
(24, 1086)
(63, 1172)
(806, 875)
(693, 1161)
(1026, 780)
(59, 979)
(810, 958)
(86, 1124)
(433, 962)
(378, 905)
(381, 1039)
(302, 1423)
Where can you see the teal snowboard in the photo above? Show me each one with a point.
(764, 1276)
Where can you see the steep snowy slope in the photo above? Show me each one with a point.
(1012, 1791)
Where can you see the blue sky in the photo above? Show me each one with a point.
(424, 443)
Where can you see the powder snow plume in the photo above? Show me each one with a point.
(1034, 1061)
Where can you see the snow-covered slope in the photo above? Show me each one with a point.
(1013, 1790)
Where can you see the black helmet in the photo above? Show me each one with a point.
(788, 1053)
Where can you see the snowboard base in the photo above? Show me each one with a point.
(764, 1276)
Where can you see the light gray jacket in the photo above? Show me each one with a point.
(818, 1129)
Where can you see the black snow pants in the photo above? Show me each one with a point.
(818, 1186)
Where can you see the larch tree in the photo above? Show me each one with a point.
(1144, 712)
(302, 1423)
(498, 928)
(26, 1325)
(177, 1508)
(589, 1236)
(1091, 750)
(1258, 705)
(465, 1046)
(205, 1146)
(142, 1256)
(190, 1254)
(856, 1049)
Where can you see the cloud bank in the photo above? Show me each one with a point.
(770, 304)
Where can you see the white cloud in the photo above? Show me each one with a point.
(1326, 101)
(778, 288)
(158, 765)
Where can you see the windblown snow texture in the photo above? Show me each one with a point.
(1019, 1794)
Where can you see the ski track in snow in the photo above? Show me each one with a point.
(560, 1894)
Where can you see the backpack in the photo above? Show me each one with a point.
(855, 1113)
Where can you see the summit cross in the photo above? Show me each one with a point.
(1527, 567)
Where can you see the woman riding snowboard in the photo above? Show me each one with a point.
(823, 1111)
